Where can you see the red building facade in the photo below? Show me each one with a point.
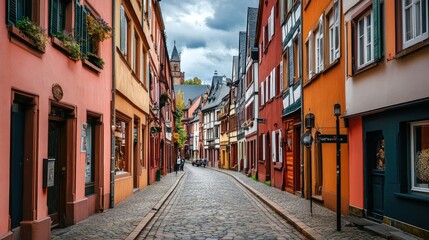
(269, 41)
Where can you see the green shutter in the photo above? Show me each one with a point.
(53, 17)
(377, 29)
(78, 22)
(11, 11)
(85, 40)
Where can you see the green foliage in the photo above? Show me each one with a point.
(254, 178)
(33, 31)
(194, 81)
(70, 44)
(268, 183)
(179, 126)
(96, 60)
(98, 29)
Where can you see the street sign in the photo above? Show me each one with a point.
(332, 138)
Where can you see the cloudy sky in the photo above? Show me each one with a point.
(206, 33)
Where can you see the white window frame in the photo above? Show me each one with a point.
(368, 56)
(310, 71)
(281, 76)
(263, 147)
(319, 47)
(273, 146)
(417, 34)
(123, 45)
(334, 32)
(280, 147)
(412, 134)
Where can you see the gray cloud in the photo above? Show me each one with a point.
(206, 33)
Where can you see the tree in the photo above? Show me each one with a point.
(194, 81)
(180, 105)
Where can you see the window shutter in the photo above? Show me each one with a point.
(262, 93)
(280, 147)
(290, 67)
(274, 82)
(272, 22)
(282, 11)
(12, 11)
(267, 89)
(85, 40)
(123, 26)
(377, 29)
(78, 22)
(281, 76)
(53, 17)
(273, 146)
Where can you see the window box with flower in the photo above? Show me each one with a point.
(30, 33)
(98, 30)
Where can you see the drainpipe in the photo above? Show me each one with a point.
(113, 111)
(302, 102)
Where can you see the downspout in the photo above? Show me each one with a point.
(113, 111)
(302, 100)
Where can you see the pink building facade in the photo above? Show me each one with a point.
(55, 113)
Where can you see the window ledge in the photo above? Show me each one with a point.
(367, 67)
(412, 197)
(411, 49)
(90, 66)
(278, 166)
(331, 65)
(56, 43)
(19, 35)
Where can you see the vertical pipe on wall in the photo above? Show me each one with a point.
(112, 161)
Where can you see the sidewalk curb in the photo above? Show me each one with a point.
(290, 218)
(149, 216)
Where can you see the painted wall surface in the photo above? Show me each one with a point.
(320, 94)
(32, 72)
(356, 162)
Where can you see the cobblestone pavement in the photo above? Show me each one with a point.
(323, 222)
(118, 222)
(209, 205)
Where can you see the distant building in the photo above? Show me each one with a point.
(176, 71)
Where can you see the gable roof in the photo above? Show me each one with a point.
(191, 91)
(252, 16)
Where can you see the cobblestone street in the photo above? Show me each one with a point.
(210, 205)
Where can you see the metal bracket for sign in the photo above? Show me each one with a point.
(331, 138)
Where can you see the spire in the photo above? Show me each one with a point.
(175, 55)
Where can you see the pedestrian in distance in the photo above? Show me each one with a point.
(178, 162)
(182, 163)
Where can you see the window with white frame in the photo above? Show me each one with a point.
(334, 32)
(124, 31)
(319, 48)
(415, 21)
(309, 47)
(420, 156)
(365, 40)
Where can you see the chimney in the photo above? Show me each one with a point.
(215, 73)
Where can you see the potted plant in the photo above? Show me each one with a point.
(95, 59)
(98, 29)
(70, 44)
(163, 99)
(34, 32)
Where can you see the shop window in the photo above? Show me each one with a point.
(89, 141)
(415, 21)
(122, 145)
(420, 156)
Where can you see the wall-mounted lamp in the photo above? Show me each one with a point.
(155, 111)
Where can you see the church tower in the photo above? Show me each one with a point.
(178, 75)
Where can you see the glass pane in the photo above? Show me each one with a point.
(424, 16)
(408, 24)
(380, 154)
(337, 37)
(418, 19)
(408, 2)
(421, 156)
(361, 45)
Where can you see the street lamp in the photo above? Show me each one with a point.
(337, 113)
(155, 110)
(307, 140)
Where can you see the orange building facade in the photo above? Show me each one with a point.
(324, 86)
(55, 113)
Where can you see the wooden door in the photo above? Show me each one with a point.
(17, 165)
(56, 193)
(290, 150)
